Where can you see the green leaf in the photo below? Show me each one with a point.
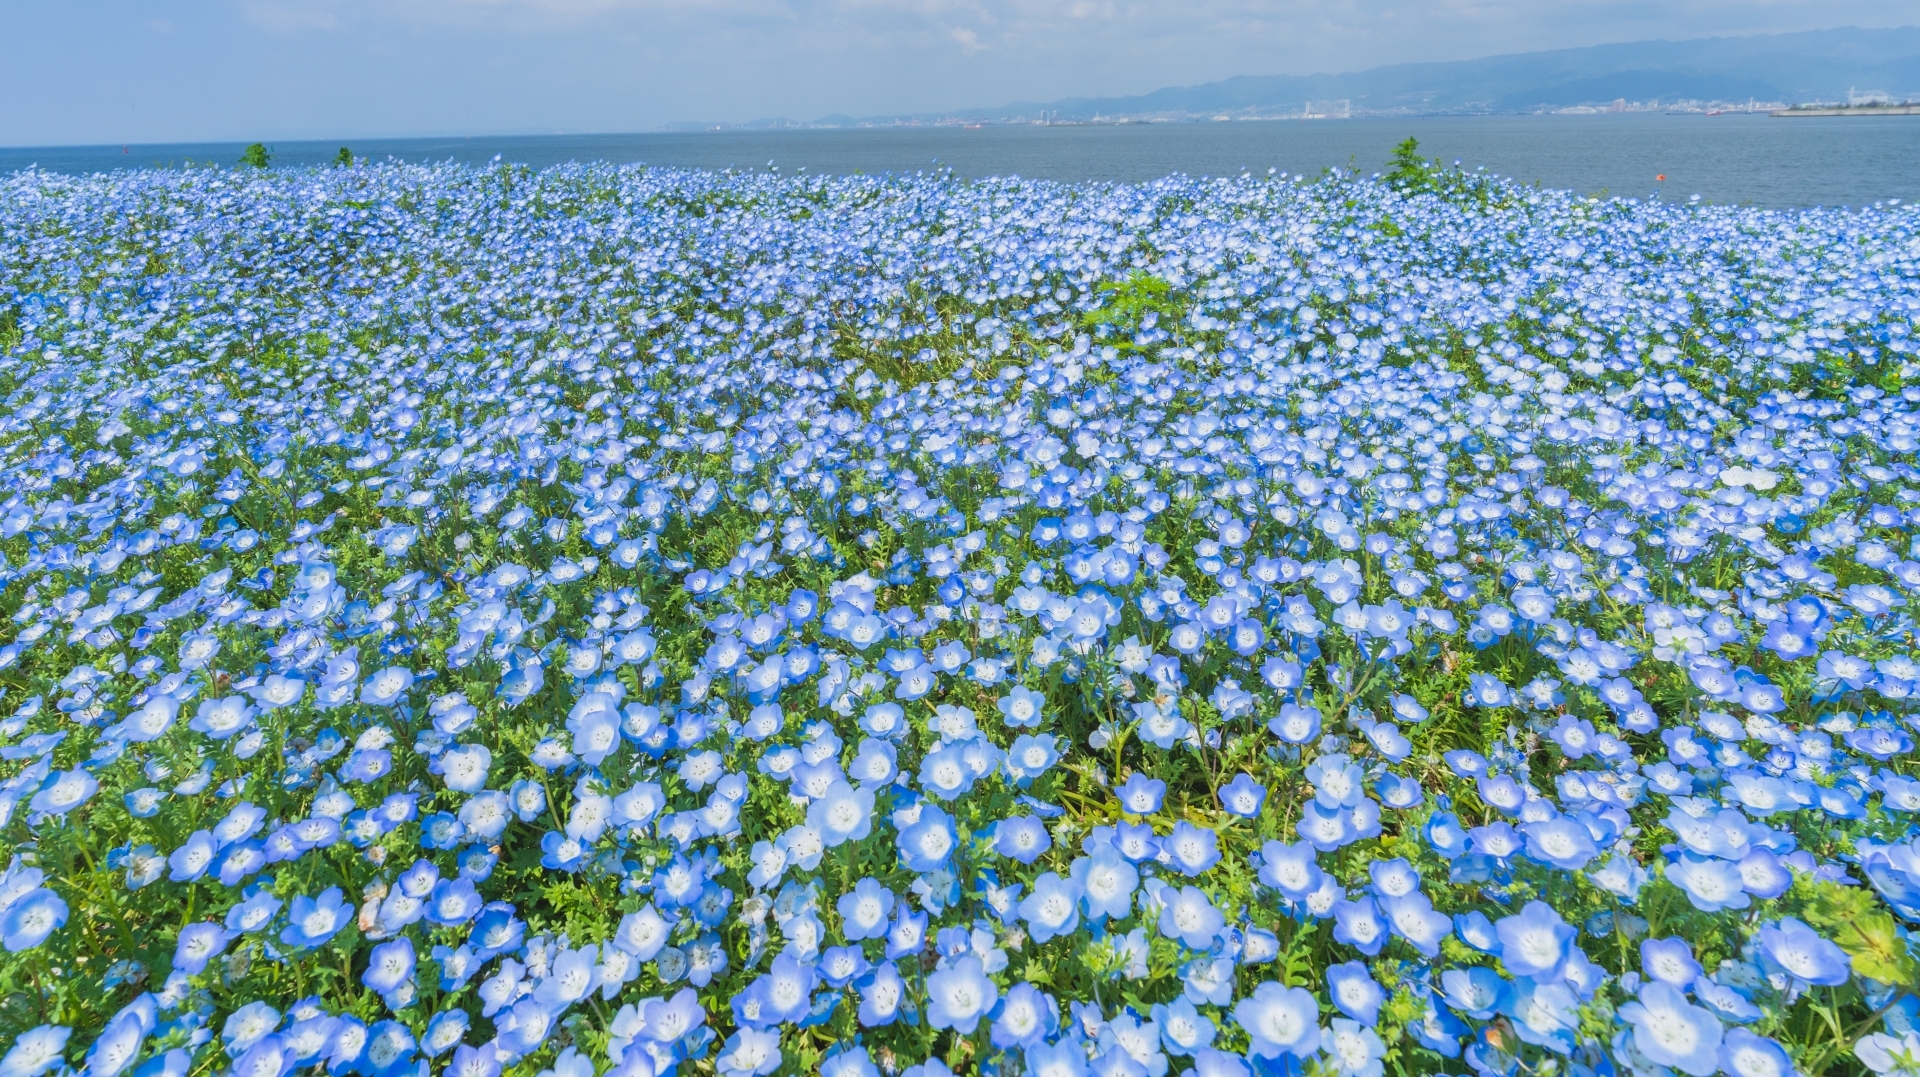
(1860, 926)
(1129, 301)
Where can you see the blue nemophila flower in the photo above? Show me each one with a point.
(1161, 724)
(1476, 930)
(1279, 1021)
(444, 1032)
(151, 719)
(1053, 907)
(464, 767)
(1141, 795)
(1107, 882)
(28, 919)
(313, 921)
(453, 902)
(1187, 914)
(1548, 1014)
(198, 944)
(1028, 1016)
(1484, 690)
(1496, 841)
(251, 915)
(1290, 869)
(1399, 793)
(1243, 796)
(1183, 1029)
(1327, 829)
(959, 995)
(865, 909)
(945, 772)
(191, 860)
(1744, 1054)
(390, 1047)
(1135, 841)
(1353, 1048)
(750, 1052)
(1413, 918)
(1710, 884)
(875, 764)
(220, 719)
(1022, 838)
(928, 840)
(1022, 706)
(389, 971)
(1445, 834)
(1031, 756)
(1476, 992)
(1670, 1031)
(1337, 782)
(842, 814)
(1563, 842)
(1064, 1057)
(120, 1041)
(1803, 954)
(248, 1025)
(1669, 961)
(1502, 793)
(882, 994)
(854, 1061)
(1535, 941)
(1359, 924)
(277, 691)
(1192, 849)
(35, 1051)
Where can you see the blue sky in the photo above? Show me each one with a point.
(112, 71)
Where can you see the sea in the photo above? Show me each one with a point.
(1735, 158)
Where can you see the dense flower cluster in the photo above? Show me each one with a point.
(658, 622)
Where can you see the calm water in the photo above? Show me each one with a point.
(1744, 159)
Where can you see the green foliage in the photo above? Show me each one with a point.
(1409, 172)
(1138, 302)
(343, 159)
(1859, 923)
(1296, 963)
(256, 155)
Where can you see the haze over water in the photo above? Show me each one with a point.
(1732, 159)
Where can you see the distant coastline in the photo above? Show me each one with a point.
(1762, 74)
(1905, 108)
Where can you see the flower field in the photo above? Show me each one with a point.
(623, 620)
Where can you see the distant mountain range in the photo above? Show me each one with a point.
(1821, 65)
